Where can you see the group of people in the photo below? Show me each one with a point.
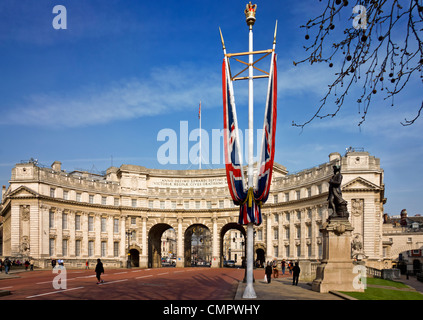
(7, 264)
(272, 268)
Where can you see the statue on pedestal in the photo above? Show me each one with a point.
(336, 202)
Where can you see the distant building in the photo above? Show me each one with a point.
(403, 242)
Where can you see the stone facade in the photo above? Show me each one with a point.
(77, 216)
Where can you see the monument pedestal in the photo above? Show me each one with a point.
(336, 271)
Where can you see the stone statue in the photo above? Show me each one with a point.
(336, 203)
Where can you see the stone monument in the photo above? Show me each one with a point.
(337, 271)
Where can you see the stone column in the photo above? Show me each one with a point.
(269, 234)
(180, 256)
(215, 263)
(144, 247)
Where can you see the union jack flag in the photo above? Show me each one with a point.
(250, 201)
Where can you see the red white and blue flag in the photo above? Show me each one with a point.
(249, 200)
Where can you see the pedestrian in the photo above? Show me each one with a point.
(99, 270)
(31, 264)
(86, 265)
(268, 272)
(53, 263)
(283, 266)
(290, 266)
(275, 268)
(296, 274)
(1, 266)
(7, 264)
(26, 265)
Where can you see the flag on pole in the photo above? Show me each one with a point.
(249, 200)
(199, 111)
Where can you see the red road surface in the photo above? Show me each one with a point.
(127, 284)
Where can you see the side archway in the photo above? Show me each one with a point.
(154, 244)
(226, 228)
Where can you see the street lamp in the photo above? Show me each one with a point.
(128, 262)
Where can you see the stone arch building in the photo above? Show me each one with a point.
(77, 216)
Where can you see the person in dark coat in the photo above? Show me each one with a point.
(99, 270)
(268, 272)
(296, 274)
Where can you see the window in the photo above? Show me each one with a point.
(91, 198)
(133, 220)
(150, 204)
(298, 251)
(259, 235)
(162, 204)
(287, 216)
(65, 195)
(173, 204)
(65, 247)
(51, 219)
(64, 220)
(275, 234)
(78, 197)
(103, 248)
(298, 232)
(276, 218)
(286, 196)
(116, 249)
(299, 215)
(116, 225)
(51, 246)
(319, 188)
(90, 248)
(77, 222)
(209, 205)
(221, 204)
(116, 201)
(309, 213)
(197, 204)
(275, 198)
(90, 223)
(103, 224)
(308, 192)
(134, 203)
(276, 251)
(309, 231)
(77, 248)
(298, 195)
(52, 192)
(287, 233)
(103, 200)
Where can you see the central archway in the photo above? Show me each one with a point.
(155, 244)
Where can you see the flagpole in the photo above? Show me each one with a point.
(249, 292)
(199, 116)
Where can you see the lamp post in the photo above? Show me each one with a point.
(128, 262)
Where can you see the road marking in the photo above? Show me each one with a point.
(108, 282)
(52, 292)
(121, 272)
(136, 271)
(178, 271)
(6, 288)
(150, 275)
(159, 274)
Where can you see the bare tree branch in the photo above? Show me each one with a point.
(369, 55)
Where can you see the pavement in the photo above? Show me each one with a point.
(280, 288)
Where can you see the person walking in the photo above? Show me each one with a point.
(31, 264)
(98, 271)
(296, 274)
(268, 272)
(283, 266)
(7, 264)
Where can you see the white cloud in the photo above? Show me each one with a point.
(165, 90)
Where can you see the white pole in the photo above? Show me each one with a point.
(249, 292)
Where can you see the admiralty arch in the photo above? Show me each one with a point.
(48, 213)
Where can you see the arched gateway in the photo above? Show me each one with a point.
(49, 213)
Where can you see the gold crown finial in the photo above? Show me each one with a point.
(250, 14)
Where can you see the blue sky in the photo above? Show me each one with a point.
(100, 91)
